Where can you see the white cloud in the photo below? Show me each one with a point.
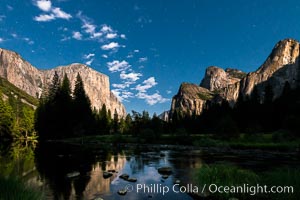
(120, 86)
(117, 66)
(152, 99)
(14, 35)
(169, 91)
(10, 8)
(96, 35)
(130, 56)
(105, 28)
(77, 35)
(89, 28)
(123, 36)
(144, 59)
(88, 56)
(2, 17)
(110, 46)
(28, 40)
(55, 12)
(147, 84)
(132, 76)
(44, 5)
(127, 94)
(65, 38)
(61, 14)
(89, 62)
(117, 93)
(136, 51)
(104, 56)
(1, 40)
(122, 94)
(111, 35)
(44, 18)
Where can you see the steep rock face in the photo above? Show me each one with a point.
(190, 99)
(20, 73)
(216, 78)
(96, 85)
(281, 66)
(31, 80)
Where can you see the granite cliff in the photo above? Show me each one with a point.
(281, 66)
(32, 80)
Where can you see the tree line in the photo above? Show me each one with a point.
(16, 118)
(251, 114)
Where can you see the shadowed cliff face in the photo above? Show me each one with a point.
(31, 80)
(281, 66)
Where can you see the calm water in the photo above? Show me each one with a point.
(48, 166)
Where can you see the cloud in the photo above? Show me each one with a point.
(10, 8)
(120, 86)
(122, 94)
(132, 76)
(1, 40)
(104, 56)
(117, 66)
(110, 46)
(28, 40)
(88, 26)
(123, 36)
(147, 84)
(89, 62)
(2, 17)
(152, 99)
(44, 18)
(111, 35)
(168, 91)
(144, 59)
(44, 5)
(61, 14)
(77, 35)
(136, 51)
(105, 28)
(117, 93)
(55, 12)
(88, 56)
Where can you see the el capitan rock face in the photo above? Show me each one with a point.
(281, 66)
(31, 80)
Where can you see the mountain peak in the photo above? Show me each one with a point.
(285, 52)
(216, 78)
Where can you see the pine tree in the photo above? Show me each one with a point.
(116, 122)
(82, 107)
(54, 87)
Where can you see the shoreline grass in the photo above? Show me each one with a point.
(14, 188)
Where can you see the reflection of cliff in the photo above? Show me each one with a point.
(97, 184)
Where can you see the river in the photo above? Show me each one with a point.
(49, 166)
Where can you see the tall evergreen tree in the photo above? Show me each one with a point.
(116, 122)
(82, 107)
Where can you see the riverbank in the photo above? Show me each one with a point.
(254, 141)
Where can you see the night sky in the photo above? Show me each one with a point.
(147, 48)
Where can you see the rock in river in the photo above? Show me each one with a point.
(107, 175)
(73, 174)
(165, 170)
